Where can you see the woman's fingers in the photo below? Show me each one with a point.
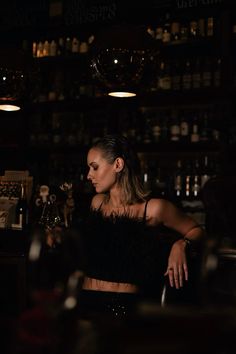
(185, 267)
(177, 275)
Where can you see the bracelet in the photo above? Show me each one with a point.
(187, 241)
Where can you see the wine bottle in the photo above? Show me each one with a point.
(166, 36)
(205, 175)
(174, 127)
(184, 128)
(176, 75)
(178, 182)
(187, 76)
(194, 137)
(207, 72)
(21, 212)
(196, 180)
(196, 75)
(175, 30)
(187, 181)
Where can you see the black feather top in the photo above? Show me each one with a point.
(124, 249)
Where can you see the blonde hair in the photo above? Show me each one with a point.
(129, 179)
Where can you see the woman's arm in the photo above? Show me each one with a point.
(163, 211)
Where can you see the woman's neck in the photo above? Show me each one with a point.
(115, 200)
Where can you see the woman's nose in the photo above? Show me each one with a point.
(89, 176)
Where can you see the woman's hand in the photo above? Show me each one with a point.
(177, 269)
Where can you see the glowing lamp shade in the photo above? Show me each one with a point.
(9, 107)
(121, 94)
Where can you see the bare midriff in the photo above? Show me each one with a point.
(103, 285)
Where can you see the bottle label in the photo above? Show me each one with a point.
(184, 129)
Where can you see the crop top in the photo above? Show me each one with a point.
(123, 249)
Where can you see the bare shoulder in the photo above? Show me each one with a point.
(97, 200)
(158, 205)
(159, 209)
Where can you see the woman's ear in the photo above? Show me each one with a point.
(119, 164)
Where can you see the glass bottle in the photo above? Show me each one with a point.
(196, 180)
(178, 180)
(184, 127)
(194, 137)
(174, 127)
(193, 29)
(205, 171)
(166, 36)
(210, 27)
(175, 30)
(156, 128)
(207, 72)
(21, 212)
(196, 75)
(164, 82)
(204, 133)
(187, 76)
(217, 73)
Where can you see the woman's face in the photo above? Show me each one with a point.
(102, 174)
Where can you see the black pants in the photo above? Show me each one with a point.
(118, 305)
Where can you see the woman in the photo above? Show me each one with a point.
(123, 233)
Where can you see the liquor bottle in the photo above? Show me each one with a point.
(196, 180)
(159, 33)
(53, 48)
(210, 27)
(194, 137)
(204, 133)
(205, 174)
(147, 133)
(156, 128)
(151, 31)
(21, 213)
(68, 46)
(207, 73)
(201, 27)
(40, 49)
(61, 46)
(165, 131)
(175, 30)
(166, 35)
(178, 180)
(217, 73)
(196, 75)
(187, 181)
(174, 127)
(193, 29)
(75, 45)
(46, 48)
(146, 176)
(164, 82)
(56, 129)
(184, 31)
(184, 128)
(187, 76)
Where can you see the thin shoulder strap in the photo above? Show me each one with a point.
(145, 211)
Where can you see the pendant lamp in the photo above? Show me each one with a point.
(120, 57)
(14, 71)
